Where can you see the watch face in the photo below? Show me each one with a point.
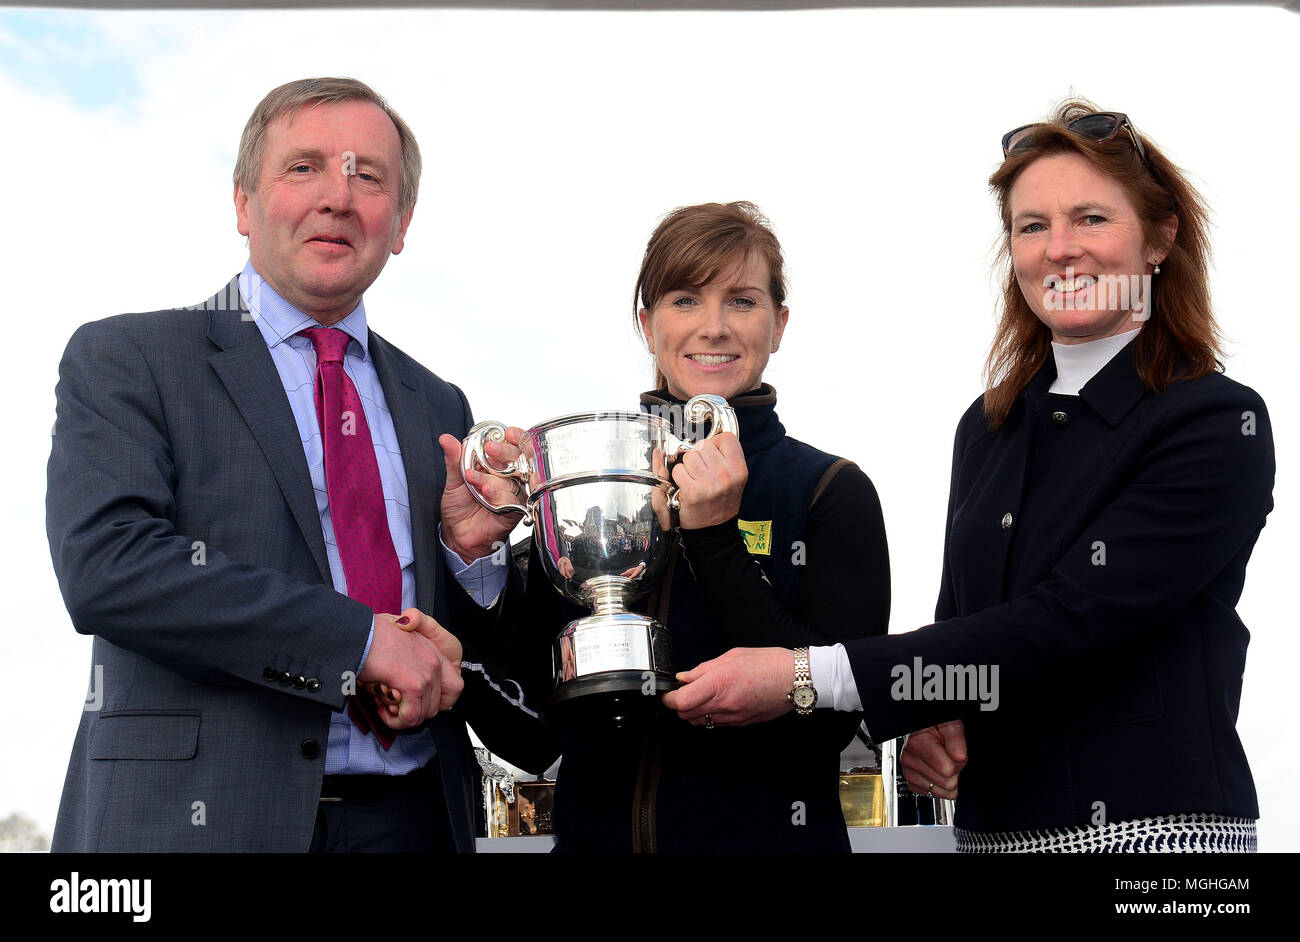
(804, 697)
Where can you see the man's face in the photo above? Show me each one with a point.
(324, 216)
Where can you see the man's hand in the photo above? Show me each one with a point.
(413, 668)
(468, 528)
(935, 757)
(710, 479)
(743, 686)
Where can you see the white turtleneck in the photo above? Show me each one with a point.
(1076, 363)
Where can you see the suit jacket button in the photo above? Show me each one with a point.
(270, 673)
(1006, 521)
(313, 684)
(286, 678)
(1061, 418)
(299, 682)
(310, 748)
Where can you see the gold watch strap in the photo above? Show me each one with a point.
(802, 669)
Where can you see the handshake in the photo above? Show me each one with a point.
(413, 669)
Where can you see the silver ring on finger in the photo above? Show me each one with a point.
(708, 721)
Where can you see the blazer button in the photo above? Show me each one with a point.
(313, 684)
(1006, 521)
(270, 673)
(310, 748)
(299, 682)
(1061, 418)
(286, 678)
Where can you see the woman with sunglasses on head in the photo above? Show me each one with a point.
(1107, 491)
(777, 543)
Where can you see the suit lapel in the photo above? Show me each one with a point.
(423, 462)
(245, 366)
(425, 476)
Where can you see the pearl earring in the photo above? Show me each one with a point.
(1156, 262)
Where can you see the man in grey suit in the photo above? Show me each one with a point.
(233, 554)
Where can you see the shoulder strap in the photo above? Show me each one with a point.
(836, 467)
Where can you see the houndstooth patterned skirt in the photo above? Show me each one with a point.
(1168, 834)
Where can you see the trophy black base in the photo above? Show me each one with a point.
(616, 698)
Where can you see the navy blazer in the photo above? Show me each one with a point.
(185, 537)
(1095, 550)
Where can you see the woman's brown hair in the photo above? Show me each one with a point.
(1180, 340)
(692, 245)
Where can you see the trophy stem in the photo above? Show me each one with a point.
(608, 595)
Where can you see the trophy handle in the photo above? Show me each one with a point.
(699, 408)
(473, 454)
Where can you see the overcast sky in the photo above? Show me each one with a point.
(553, 142)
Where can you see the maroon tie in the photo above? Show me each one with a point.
(356, 501)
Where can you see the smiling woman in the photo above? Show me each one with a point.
(715, 301)
(1097, 211)
(772, 532)
(1107, 492)
(1079, 249)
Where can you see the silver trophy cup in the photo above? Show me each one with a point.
(600, 500)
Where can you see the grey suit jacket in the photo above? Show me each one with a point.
(186, 539)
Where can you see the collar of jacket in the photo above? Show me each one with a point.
(229, 320)
(1112, 393)
(755, 411)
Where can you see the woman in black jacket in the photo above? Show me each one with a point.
(1107, 491)
(778, 543)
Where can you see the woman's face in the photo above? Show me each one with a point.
(1078, 250)
(716, 339)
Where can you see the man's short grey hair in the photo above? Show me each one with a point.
(288, 99)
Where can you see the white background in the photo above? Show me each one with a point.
(553, 143)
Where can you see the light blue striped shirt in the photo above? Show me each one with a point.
(349, 751)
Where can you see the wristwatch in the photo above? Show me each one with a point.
(803, 695)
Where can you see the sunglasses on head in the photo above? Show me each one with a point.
(1099, 126)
